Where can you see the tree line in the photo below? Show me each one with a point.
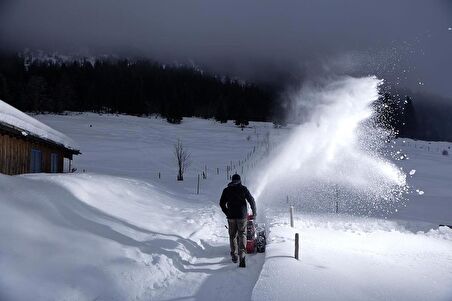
(145, 87)
(136, 87)
(416, 116)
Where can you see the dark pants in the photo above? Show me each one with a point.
(237, 237)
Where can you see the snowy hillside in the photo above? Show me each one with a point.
(114, 230)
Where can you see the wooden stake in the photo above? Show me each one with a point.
(291, 216)
(197, 188)
(297, 238)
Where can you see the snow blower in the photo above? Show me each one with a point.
(255, 236)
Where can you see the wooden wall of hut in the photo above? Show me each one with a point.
(15, 155)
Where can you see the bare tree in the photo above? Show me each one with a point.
(183, 159)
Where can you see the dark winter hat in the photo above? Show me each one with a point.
(235, 178)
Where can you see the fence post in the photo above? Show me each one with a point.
(297, 248)
(291, 216)
(197, 188)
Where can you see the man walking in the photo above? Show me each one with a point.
(233, 203)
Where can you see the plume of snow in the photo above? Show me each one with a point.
(336, 153)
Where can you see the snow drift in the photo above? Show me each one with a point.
(86, 237)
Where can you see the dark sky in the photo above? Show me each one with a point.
(262, 40)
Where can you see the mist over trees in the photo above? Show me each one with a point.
(144, 87)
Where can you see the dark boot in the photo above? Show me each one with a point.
(234, 258)
(242, 263)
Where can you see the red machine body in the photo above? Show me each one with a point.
(251, 236)
(255, 236)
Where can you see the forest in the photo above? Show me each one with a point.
(144, 87)
(136, 87)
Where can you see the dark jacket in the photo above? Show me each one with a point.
(233, 201)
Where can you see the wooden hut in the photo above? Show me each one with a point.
(29, 146)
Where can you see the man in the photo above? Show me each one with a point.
(233, 203)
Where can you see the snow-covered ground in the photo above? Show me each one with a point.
(431, 178)
(117, 231)
(114, 230)
(347, 258)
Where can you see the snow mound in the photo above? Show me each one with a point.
(88, 237)
(136, 202)
(28, 125)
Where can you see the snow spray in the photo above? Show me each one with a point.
(334, 160)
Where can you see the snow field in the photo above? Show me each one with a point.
(118, 232)
(405, 256)
(355, 259)
(140, 148)
(84, 236)
(430, 200)
(62, 248)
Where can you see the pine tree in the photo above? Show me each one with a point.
(4, 94)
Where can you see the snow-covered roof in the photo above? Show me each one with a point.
(11, 116)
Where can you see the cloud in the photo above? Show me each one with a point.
(258, 39)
